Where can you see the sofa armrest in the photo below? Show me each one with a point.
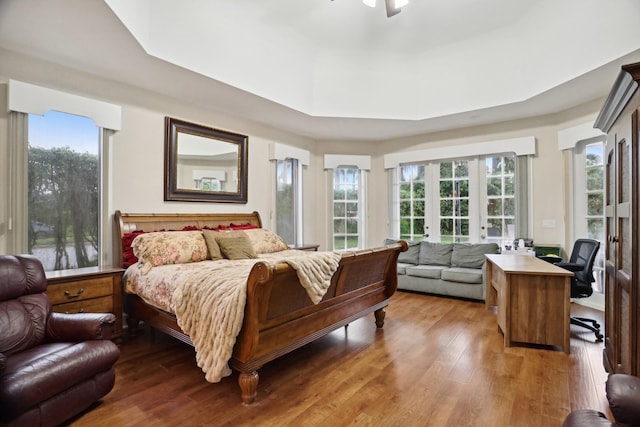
(3, 362)
(80, 326)
(623, 393)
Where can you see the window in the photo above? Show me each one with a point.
(589, 218)
(346, 177)
(347, 210)
(288, 163)
(63, 190)
(35, 190)
(287, 199)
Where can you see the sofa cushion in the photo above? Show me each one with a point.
(462, 275)
(432, 253)
(471, 255)
(426, 271)
(402, 267)
(411, 255)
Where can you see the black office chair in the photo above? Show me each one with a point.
(580, 263)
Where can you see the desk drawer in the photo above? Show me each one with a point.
(80, 290)
(94, 305)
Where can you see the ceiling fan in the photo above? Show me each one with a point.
(393, 6)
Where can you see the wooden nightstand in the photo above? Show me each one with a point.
(87, 290)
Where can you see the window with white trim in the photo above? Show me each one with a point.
(288, 164)
(347, 208)
(58, 184)
(287, 199)
(589, 201)
(347, 212)
(63, 190)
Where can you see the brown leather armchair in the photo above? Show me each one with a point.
(52, 365)
(623, 393)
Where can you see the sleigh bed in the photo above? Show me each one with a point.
(279, 315)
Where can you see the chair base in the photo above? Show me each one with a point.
(589, 324)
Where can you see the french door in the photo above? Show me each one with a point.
(464, 200)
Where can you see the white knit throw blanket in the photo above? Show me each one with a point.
(210, 305)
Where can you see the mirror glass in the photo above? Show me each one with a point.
(204, 164)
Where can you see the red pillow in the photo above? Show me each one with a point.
(128, 258)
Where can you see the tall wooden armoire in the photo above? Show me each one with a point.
(619, 119)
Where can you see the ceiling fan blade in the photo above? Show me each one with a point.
(392, 10)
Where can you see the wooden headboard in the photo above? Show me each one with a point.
(129, 222)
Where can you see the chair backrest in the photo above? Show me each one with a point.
(584, 253)
(24, 307)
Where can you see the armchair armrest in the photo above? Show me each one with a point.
(80, 327)
(570, 266)
(623, 393)
(3, 362)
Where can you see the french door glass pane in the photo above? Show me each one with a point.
(500, 208)
(412, 202)
(454, 201)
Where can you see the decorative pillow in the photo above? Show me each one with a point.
(212, 244)
(432, 253)
(169, 247)
(235, 245)
(265, 241)
(471, 255)
(410, 256)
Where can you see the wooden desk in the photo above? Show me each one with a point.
(532, 297)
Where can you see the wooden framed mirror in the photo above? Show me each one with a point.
(204, 164)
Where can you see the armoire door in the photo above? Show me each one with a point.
(621, 173)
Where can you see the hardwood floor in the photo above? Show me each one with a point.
(437, 361)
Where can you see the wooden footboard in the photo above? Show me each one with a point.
(279, 316)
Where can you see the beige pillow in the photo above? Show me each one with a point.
(212, 245)
(265, 241)
(235, 245)
(169, 247)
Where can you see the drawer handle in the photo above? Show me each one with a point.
(70, 295)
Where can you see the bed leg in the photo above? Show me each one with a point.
(380, 314)
(248, 385)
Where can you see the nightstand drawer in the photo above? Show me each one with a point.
(80, 290)
(94, 305)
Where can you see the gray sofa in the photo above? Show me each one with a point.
(450, 269)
